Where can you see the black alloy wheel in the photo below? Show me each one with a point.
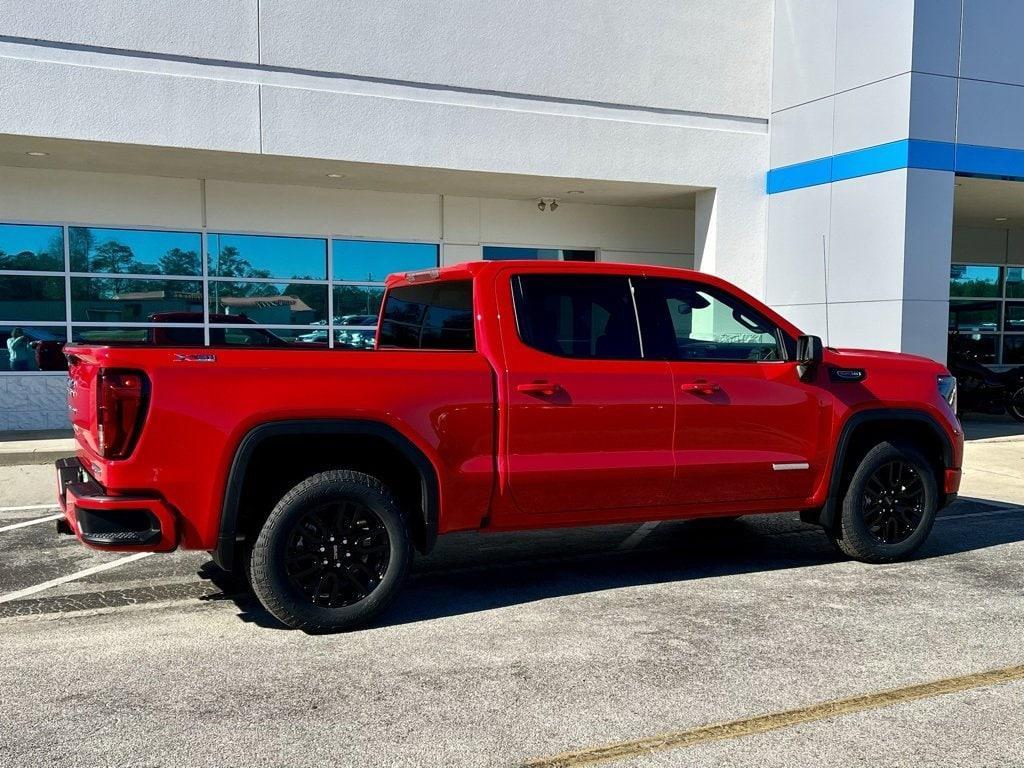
(337, 553)
(332, 554)
(889, 505)
(893, 502)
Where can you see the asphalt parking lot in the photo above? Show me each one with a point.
(507, 649)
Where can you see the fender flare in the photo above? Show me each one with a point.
(834, 498)
(224, 554)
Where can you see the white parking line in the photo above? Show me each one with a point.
(29, 508)
(27, 523)
(72, 577)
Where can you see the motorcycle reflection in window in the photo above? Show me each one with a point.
(979, 388)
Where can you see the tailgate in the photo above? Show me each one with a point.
(83, 372)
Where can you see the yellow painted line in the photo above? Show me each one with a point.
(735, 729)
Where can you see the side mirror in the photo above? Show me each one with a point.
(809, 354)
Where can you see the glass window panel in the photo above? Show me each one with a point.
(688, 321)
(503, 253)
(134, 251)
(1014, 320)
(982, 347)
(31, 348)
(371, 261)
(448, 323)
(1013, 350)
(506, 253)
(579, 256)
(578, 316)
(430, 316)
(112, 335)
(974, 316)
(31, 247)
(31, 298)
(121, 300)
(355, 338)
(163, 336)
(301, 258)
(268, 337)
(974, 280)
(1015, 282)
(268, 303)
(359, 300)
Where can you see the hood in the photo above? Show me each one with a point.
(868, 358)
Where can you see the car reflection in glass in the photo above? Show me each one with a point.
(360, 333)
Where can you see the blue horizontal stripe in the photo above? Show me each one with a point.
(800, 175)
(895, 155)
(864, 162)
(931, 155)
(990, 161)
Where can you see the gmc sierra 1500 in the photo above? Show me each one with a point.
(500, 396)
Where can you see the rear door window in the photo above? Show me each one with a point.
(429, 316)
(582, 316)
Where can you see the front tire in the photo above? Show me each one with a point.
(333, 553)
(889, 506)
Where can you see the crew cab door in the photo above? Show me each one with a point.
(589, 421)
(747, 428)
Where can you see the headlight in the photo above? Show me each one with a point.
(947, 388)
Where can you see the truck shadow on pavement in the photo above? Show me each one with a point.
(473, 572)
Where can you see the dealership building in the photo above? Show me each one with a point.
(190, 172)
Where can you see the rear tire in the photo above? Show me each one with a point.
(889, 506)
(333, 553)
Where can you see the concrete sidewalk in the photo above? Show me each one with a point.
(43, 447)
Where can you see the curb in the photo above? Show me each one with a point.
(30, 456)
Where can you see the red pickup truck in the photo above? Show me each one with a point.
(501, 396)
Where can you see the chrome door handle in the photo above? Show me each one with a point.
(701, 387)
(545, 388)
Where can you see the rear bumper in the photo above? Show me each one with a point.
(127, 523)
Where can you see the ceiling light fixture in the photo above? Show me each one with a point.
(335, 175)
(1000, 218)
(37, 154)
(574, 192)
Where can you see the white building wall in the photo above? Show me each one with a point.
(863, 261)
(655, 53)
(668, 92)
(672, 93)
(947, 75)
(226, 29)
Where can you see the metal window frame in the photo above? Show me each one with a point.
(1002, 299)
(205, 278)
(560, 248)
(333, 283)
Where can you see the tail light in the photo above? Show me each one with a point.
(121, 407)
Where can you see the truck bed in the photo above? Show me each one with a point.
(203, 401)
